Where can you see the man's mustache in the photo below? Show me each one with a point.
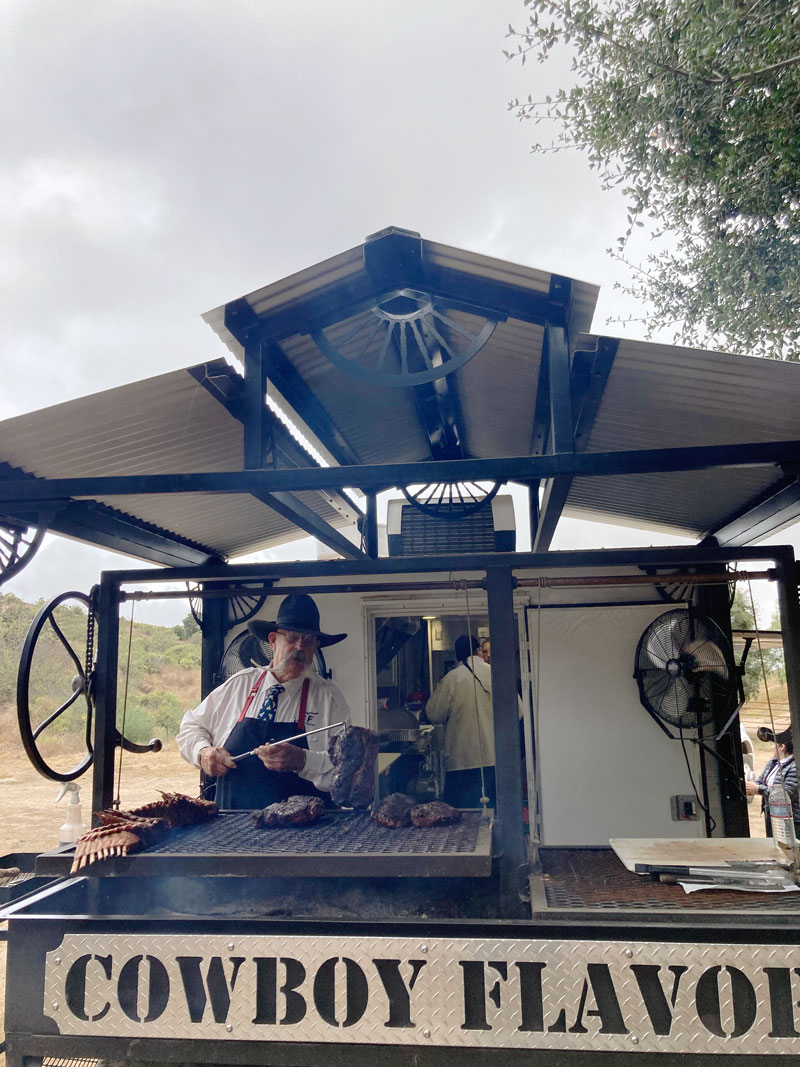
(296, 654)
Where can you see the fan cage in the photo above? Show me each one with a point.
(685, 669)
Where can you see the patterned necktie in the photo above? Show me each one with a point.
(267, 710)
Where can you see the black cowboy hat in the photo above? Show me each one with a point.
(297, 612)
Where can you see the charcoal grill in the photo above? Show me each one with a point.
(342, 844)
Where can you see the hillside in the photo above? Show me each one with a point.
(159, 678)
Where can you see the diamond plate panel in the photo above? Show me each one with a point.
(572, 995)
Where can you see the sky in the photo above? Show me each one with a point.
(161, 157)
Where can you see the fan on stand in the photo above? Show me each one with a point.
(247, 650)
(685, 670)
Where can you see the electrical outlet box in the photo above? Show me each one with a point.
(684, 809)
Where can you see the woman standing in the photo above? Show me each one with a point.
(781, 767)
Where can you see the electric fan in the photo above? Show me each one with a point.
(247, 650)
(684, 669)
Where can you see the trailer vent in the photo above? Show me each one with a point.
(411, 532)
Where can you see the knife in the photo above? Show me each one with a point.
(286, 741)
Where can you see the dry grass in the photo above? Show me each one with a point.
(30, 819)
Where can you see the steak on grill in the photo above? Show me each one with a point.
(435, 813)
(296, 811)
(354, 755)
(394, 811)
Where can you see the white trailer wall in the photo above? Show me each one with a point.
(605, 768)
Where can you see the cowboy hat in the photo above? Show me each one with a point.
(299, 613)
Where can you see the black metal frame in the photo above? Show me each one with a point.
(499, 570)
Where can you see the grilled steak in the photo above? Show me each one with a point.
(394, 811)
(296, 811)
(354, 754)
(436, 813)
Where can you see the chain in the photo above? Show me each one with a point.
(90, 626)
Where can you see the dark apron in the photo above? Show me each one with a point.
(252, 785)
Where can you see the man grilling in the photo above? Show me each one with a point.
(255, 711)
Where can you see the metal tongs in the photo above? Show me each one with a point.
(286, 740)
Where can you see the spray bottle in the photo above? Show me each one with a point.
(780, 813)
(73, 825)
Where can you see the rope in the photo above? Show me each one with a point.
(116, 802)
(781, 775)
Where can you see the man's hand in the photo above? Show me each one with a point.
(216, 761)
(752, 789)
(282, 757)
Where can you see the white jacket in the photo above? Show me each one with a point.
(211, 722)
(463, 699)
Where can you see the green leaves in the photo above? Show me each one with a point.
(694, 103)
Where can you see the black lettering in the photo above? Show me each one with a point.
(608, 1009)
(578, 1027)
(218, 993)
(475, 993)
(658, 1009)
(560, 1025)
(707, 1000)
(157, 988)
(397, 994)
(356, 992)
(530, 994)
(474, 996)
(294, 1001)
(494, 992)
(781, 1005)
(75, 987)
(266, 990)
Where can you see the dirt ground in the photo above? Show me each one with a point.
(30, 818)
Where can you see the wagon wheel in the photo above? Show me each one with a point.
(45, 628)
(451, 500)
(408, 328)
(244, 602)
(19, 543)
(682, 592)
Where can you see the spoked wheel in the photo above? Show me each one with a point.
(405, 340)
(244, 602)
(19, 544)
(451, 500)
(54, 698)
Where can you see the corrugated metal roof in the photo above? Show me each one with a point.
(378, 423)
(657, 396)
(164, 425)
(663, 396)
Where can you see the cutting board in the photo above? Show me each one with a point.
(694, 852)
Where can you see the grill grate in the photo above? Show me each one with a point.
(596, 878)
(233, 833)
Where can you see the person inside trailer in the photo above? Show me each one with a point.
(485, 651)
(781, 766)
(257, 709)
(463, 700)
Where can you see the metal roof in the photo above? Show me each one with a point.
(662, 396)
(489, 360)
(166, 424)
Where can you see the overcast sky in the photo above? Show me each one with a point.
(161, 157)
